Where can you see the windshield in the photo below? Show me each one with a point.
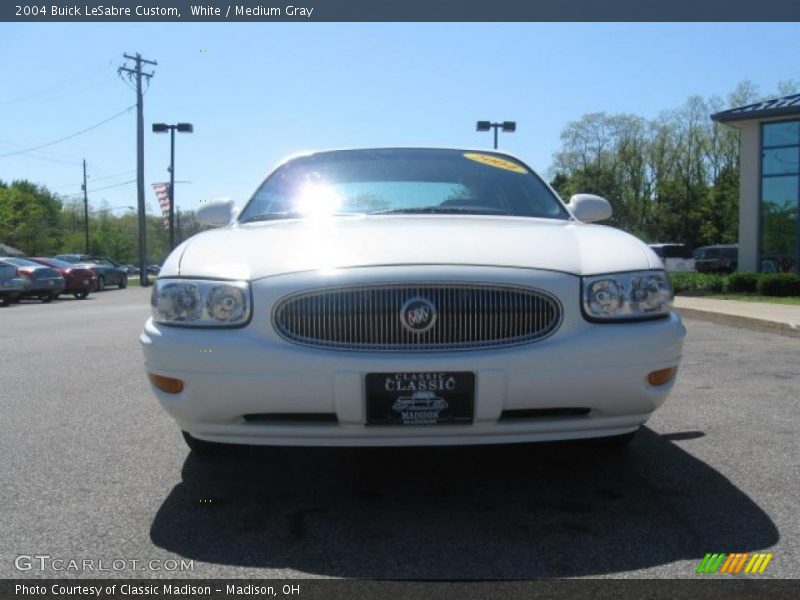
(402, 181)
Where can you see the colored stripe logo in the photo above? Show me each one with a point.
(735, 563)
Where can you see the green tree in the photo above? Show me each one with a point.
(673, 178)
(29, 217)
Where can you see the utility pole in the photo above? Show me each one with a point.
(85, 208)
(137, 72)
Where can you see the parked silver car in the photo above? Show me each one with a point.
(46, 283)
(12, 283)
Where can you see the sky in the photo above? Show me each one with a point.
(256, 93)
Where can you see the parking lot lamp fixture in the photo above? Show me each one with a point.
(506, 126)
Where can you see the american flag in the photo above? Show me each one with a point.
(162, 193)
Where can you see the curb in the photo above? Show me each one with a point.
(763, 325)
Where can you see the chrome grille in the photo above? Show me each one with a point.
(368, 317)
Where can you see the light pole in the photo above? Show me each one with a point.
(163, 128)
(506, 126)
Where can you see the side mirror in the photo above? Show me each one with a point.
(590, 208)
(216, 213)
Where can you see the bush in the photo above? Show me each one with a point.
(697, 283)
(743, 283)
(779, 284)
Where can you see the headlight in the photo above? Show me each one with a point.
(201, 303)
(627, 296)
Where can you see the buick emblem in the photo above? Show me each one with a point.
(418, 315)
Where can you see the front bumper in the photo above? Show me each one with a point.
(231, 373)
(80, 284)
(41, 286)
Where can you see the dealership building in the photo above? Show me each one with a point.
(769, 183)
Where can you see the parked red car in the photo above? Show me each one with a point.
(79, 280)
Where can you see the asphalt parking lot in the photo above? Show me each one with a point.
(93, 469)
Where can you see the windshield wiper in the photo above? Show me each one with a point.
(441, 210)
(290, 215)
(422, 210)
(272, 217)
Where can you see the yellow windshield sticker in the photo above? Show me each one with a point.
(496, 161)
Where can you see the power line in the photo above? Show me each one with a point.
(100, 189)
(77, 92)
(45, 155)
(82, 76)
(68, 137)
(69, 81)
(108, 187)
(54, 160)
(61, 187)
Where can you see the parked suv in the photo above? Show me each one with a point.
(108, 272)
(676, 257)
(722, 258)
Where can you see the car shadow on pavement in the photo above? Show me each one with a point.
(519, 511)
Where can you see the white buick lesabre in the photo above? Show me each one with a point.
(410, 297)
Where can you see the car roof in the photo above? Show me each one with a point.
(315, 152)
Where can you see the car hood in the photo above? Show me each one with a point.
(265, 249)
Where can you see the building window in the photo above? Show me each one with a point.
(780, 197)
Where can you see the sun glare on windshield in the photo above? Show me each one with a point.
(317, 200)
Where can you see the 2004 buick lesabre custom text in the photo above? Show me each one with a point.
(410, 297)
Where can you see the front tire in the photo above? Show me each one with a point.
(123, 283)
(204, 448)
(82, 294)
(101, 283)
(46, 298)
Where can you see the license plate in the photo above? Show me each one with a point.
(85, 282)
(428, 398)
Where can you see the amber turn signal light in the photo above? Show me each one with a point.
(662, 376)
(166, 384)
